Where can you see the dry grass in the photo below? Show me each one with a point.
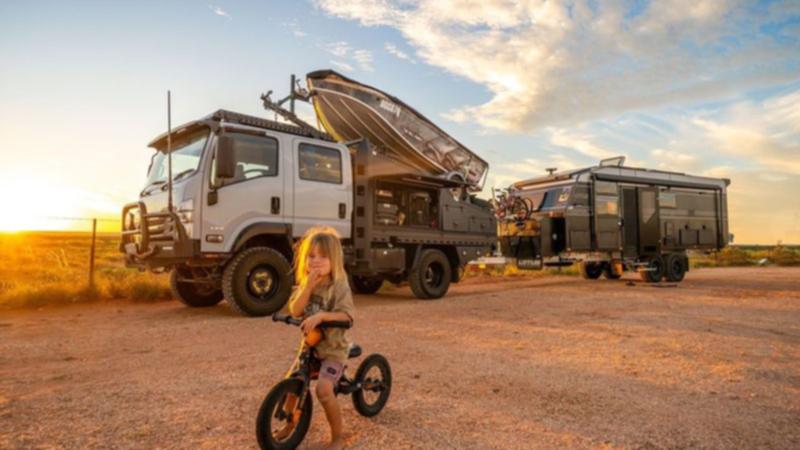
(741, 256)
(53, 268)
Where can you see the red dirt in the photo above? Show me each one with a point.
(552, 362)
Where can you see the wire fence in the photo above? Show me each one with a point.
(70, 259)
(50, 249)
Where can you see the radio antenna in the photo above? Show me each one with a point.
(169, 151)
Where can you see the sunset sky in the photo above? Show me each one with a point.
(703, 87)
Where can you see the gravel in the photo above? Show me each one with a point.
(549, 362)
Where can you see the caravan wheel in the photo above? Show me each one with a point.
(654, 271)
(676, 267)
(591, 270)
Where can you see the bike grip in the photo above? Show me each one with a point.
(285, 318)
(336, 324)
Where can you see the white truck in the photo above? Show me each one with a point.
(244, 189)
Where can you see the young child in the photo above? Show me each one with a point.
(323, 294)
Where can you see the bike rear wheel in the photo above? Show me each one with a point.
(375, 377)
(281, 423)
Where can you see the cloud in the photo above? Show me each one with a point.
(356, 57)
(299, 33)
(340, 48)
(393, 50)
(765, 133)
(219, 11)
(558, 63)
(581, 144)
(341, 65)
(364, 60)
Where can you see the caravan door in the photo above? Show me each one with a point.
(649, 232)
(630, 221)
(605, 215)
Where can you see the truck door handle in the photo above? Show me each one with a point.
(342, 210)
(275, 205)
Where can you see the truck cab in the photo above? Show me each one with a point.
(239, 182)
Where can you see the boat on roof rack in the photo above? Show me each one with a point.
(349, 110)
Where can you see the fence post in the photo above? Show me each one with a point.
(91, 255)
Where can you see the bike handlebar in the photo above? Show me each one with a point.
(289, 320)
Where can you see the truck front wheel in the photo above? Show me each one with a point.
(430, 279)
(365, 285)
(257, 281)
(195, 295)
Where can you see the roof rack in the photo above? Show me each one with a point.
(253, 121)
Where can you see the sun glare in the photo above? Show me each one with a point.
(38, 206)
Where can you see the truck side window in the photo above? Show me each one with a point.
(256, 157)
(318, 163)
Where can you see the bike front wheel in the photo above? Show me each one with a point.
(282, 423)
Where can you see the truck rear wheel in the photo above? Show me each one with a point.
(430, 279)
(591, 270)
(365, 285)
(257, 281)
(195, 295)
(654, 271)
(675, 267)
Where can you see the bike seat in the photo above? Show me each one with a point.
(354, 351)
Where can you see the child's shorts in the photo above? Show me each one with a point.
(331, 370)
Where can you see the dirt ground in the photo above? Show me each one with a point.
(552, 362)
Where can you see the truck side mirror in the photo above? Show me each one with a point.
(225, 160)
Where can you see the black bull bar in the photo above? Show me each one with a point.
(151, 239)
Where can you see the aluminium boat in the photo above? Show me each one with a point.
(349, 110)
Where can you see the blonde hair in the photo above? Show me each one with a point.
(326, 241)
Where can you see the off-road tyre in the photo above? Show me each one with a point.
(590, 270)
(656, 264)
(241, 282)
(675, 268)
(610, 271)
(274, 400)
(365, 285)
(193, 295)
(360, 402)
(431, 277)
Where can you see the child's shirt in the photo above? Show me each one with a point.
(336, 297)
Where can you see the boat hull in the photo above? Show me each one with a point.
(349, 110)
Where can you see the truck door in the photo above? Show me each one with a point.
(322, 187)
(606, 215)
(254, 195)
(649, 231)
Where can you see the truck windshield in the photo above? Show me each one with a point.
(186, 155)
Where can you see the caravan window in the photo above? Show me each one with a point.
(607, 205)
(605, 187)
(536, 199)
(667, 200)
(556, 197)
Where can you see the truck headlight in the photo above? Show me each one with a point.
(186, 211)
